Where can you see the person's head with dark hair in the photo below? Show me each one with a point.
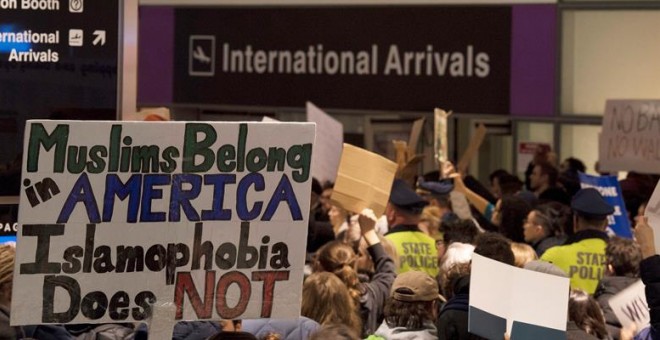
(544, 176)
(586, 313)
(570, 181)
(623, 257)
(543, 221)
(510, 185)
(494, 246)
(457, 230)
(335, 331)
(572, 164)
(496, 182)
(412, 301)
(455, 279)
(509, 216)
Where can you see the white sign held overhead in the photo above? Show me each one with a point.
(629, 306)
(328, 146)
(501, 301)
(139, 221)
(630, 139)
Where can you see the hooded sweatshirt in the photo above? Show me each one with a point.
(401, 333)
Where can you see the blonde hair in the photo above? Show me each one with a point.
(7, 255)
(523, 253)
(431, 215)
(327, 301)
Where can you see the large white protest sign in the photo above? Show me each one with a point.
(652, 212)
(328, 146)
(506, 298)
(630, 140)
(629, 306)
(121, 218)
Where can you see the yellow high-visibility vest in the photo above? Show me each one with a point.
(584, 262)
(416, 251)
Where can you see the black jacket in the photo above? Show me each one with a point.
(608, 287)
(649, 270)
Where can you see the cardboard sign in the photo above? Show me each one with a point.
(609, 188)
(526, 151)
(329, 137)
(652, 212)
(440, 135)
(415, 133)
(629, 306)
(630, 139)
(364, 180)
(119, 219)
(505, 298)
(473, 147)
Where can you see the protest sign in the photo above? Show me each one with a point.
(473, 147)
(119, 219)
(609, 188)
(629, 306)
(364, 180)
(266, 119)
(505, 298)
(440, 135)
(630, 139)
(415, 133)
(652, 212)
(330, 137)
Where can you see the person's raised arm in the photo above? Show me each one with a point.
(475, 199)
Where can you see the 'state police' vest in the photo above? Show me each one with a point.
(416, 250)
(583, 260)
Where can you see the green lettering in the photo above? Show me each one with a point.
(300, 158)
(192, 147)
(39, 137)
(256, 160)
(226, 158)
(115, 136)
(145, 159)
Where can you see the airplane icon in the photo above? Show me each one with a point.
(75, 37)
(200, 55)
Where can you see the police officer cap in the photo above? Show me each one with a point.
(588, 202)
(405, 198)
(441, 188)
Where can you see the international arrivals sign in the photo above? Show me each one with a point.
(380, 58)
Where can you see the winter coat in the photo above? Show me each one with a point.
(376, 291)
(296, 329)
(401, 333)
(649, 270)
(573, 332)
(607, 288)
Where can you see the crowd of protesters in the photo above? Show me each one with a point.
(406, 274)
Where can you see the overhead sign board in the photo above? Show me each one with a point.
(409, 58)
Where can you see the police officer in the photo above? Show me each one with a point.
(416, 250)
(582, 256)
(437, 194)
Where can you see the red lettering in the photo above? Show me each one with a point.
(185, 283)
(269, 278)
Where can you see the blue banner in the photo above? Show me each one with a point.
(608, 186)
